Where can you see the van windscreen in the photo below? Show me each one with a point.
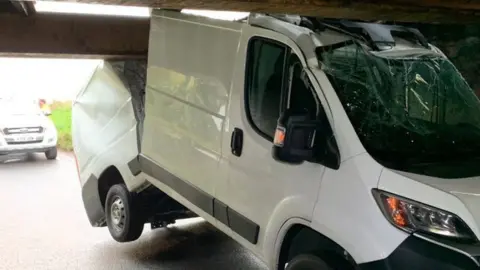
(413, 112)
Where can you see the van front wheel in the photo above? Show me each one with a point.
(124, 218)
(307, 262)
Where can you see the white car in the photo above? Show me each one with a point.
(24, 128)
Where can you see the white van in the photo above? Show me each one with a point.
(316, 144)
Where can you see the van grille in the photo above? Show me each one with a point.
(22, 130)
(30, 142)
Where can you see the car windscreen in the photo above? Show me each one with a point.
(19, 108)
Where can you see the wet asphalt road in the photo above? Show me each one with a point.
(43, 226)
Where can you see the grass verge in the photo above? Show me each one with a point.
(62, 118)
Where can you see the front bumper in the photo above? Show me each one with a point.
(42, 146)
(25, 150)
(420, 252)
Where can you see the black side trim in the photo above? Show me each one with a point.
(92, 203)
(419, 254)
(134, 166)
(243, 226)
(220, 211)
(201, 199)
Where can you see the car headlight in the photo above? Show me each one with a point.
(412, 216)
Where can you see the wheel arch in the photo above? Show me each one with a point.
(108, 178)
(300, 239)
(94, 193)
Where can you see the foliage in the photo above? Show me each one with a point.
(62, 118)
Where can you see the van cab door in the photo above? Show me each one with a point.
(262, 193)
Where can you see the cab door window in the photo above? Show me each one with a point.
(276, 80)
(265, 81)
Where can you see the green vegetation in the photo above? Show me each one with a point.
(62, 118)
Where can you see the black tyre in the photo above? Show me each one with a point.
(51, 154)
(307, 262)
(124, 219)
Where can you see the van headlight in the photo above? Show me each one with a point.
(412, 216)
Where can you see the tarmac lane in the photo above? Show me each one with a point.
(43, 225)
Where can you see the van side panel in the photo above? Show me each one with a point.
(133, 73)
(103, 133)
(187, 96)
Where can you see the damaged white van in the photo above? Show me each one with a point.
(316, 144)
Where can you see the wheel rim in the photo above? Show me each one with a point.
(117, 214)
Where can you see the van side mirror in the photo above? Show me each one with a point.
(294, 137)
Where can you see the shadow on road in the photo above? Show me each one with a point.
(47, 193)
(195, 245)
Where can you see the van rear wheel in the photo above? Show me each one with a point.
(124, 218)
(307, 262)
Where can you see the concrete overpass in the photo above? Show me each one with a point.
(466, 11)
(69, 35)
(66, 35)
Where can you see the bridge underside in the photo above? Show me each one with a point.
(465, 11)
(92, 36)
(73, 36)
(68, 35)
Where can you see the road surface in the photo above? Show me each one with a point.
(44, 226)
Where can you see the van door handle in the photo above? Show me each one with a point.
(236, 144)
